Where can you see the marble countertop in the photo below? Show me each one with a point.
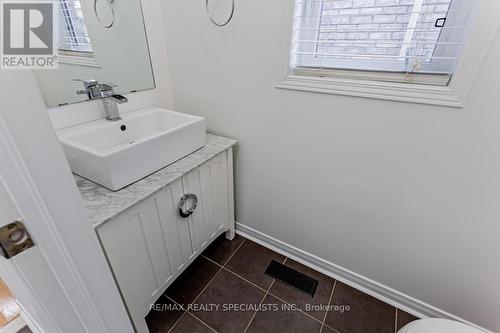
(103, 204)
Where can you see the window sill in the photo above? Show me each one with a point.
(403, 92)
(77, 60)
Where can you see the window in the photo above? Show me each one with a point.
(73, 36)
(404, 41)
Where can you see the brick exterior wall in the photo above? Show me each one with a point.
(358, 26)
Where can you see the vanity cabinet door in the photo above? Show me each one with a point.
(174, 228)
(147, 247)
(127, 252)
(209, 184)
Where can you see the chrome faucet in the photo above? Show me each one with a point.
(104, 91)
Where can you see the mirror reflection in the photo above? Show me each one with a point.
(98, 40)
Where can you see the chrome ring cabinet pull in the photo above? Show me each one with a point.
(184, 199)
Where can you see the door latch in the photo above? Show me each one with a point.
(14, 239)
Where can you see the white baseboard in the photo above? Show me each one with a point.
(366, 285)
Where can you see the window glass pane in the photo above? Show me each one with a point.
(425, 37)
(381, 35)
(73, 35)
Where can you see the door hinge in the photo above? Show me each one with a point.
(14, 239)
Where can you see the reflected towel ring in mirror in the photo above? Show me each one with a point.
(110, 20)
(219, 24)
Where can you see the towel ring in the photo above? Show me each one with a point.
(107, 26)
(212, 18)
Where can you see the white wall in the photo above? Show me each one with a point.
(160, 96)
(404, 194)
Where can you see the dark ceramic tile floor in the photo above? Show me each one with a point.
(225, 290)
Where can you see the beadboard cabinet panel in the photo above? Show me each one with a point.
(198, 226)
(126, 249)
(153, 236)
(174, 228)
(209, 183)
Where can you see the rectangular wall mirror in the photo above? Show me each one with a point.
(103, 40)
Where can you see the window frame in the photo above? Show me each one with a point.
(75, 57)
(382, 85)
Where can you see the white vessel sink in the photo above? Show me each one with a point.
(116, 154)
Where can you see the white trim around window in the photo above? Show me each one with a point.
(77, 58)
(454, 94)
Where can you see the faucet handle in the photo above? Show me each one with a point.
(106, 88)
(87, 82)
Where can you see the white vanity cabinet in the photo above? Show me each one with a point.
(150, 244)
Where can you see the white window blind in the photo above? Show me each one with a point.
(73, 36)
(418, 41)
